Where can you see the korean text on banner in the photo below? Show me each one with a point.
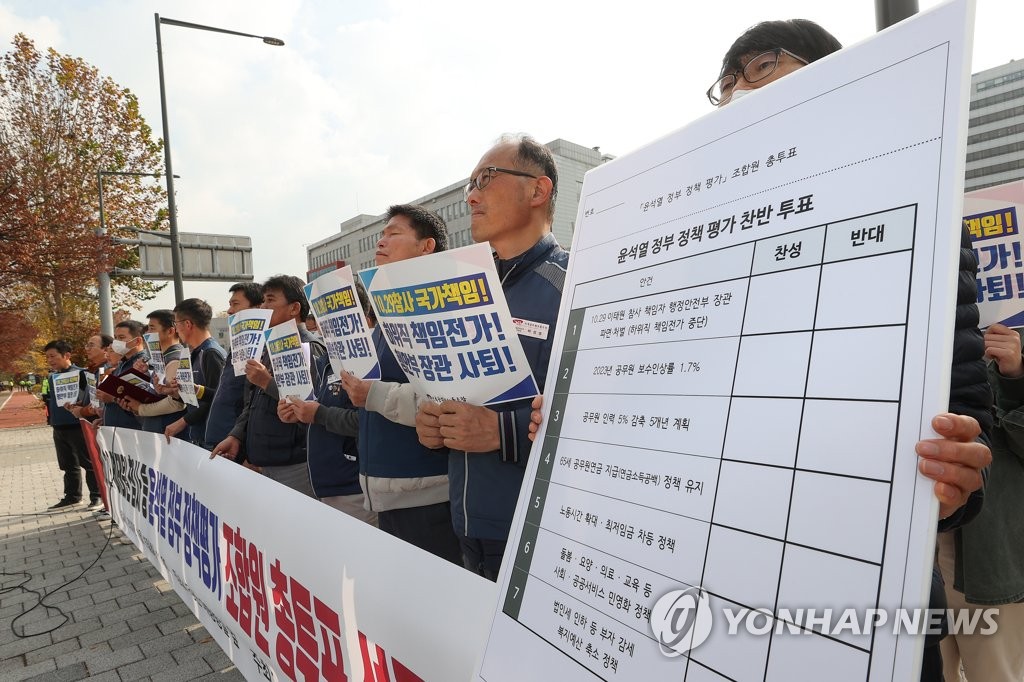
(66, 387)
(186, 383)
(156, 356)
(289, 360)
(992, 217)
(290, 588)
(445, 318)
(247, 338)
(333, 300)
(755, 331)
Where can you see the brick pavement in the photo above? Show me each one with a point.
(125, 621)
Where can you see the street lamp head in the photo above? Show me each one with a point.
(277, 42)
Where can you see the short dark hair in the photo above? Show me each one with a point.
(364, 301)
(105, 340)
(802, 37)
(59, 345)
(425, 223)
(196, 310)
(291, 287)
(134, 327)
(164, 316)
(252, 291)
(533, 156)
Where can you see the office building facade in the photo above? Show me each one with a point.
(995, 133)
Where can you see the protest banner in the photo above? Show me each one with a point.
(89, 434)
(289, 360)
(90, 380)
(289, 587)
(339, 315)
(755, 330)
(156, 356)
(67, 387)
(247, 337)
(992, 216)
(445, 318)
(186, 383)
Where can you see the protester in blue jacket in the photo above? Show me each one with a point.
(511, 197)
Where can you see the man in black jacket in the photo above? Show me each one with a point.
(279, 449)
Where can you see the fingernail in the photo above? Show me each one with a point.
(943, 423)
(927, 448)
(932, 467)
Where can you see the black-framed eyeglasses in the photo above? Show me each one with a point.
(483, 178)
(757, 69)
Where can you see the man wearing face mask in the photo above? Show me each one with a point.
(129, 344)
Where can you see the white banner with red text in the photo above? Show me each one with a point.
(291, 588)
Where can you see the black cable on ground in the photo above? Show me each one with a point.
(41, 597)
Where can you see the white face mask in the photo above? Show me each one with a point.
(736, 94)
(118, 346)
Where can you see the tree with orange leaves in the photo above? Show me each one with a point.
(61, 123)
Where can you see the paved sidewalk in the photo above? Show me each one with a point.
(125, 621)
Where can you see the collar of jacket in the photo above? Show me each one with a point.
(512, 269)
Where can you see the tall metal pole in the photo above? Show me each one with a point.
(103, 278)
(179, 293)
(106, 314)
(889, 12)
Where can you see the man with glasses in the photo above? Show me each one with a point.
(511, 196)
(956, 462)
(96, 353)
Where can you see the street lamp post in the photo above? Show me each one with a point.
(106, 314)
(179, 293)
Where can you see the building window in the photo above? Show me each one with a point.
(1000, 80)
(996, 99)
(996, 116)
(998, 168)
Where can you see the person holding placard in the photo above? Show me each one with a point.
(67, 387)
(956, 461)
(982, 562)
(511, 197)
(192, 320)
(333, 435)
(96, 349)
(279, 449)
(227, 402)
(405, 482)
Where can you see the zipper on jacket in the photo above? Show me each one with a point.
(465, 492)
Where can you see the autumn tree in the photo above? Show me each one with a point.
(61, 123)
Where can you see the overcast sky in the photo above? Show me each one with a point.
(371, 103)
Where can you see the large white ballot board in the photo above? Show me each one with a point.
(755, 330)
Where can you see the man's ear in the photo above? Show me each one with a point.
(429, 245)
(541, 191)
